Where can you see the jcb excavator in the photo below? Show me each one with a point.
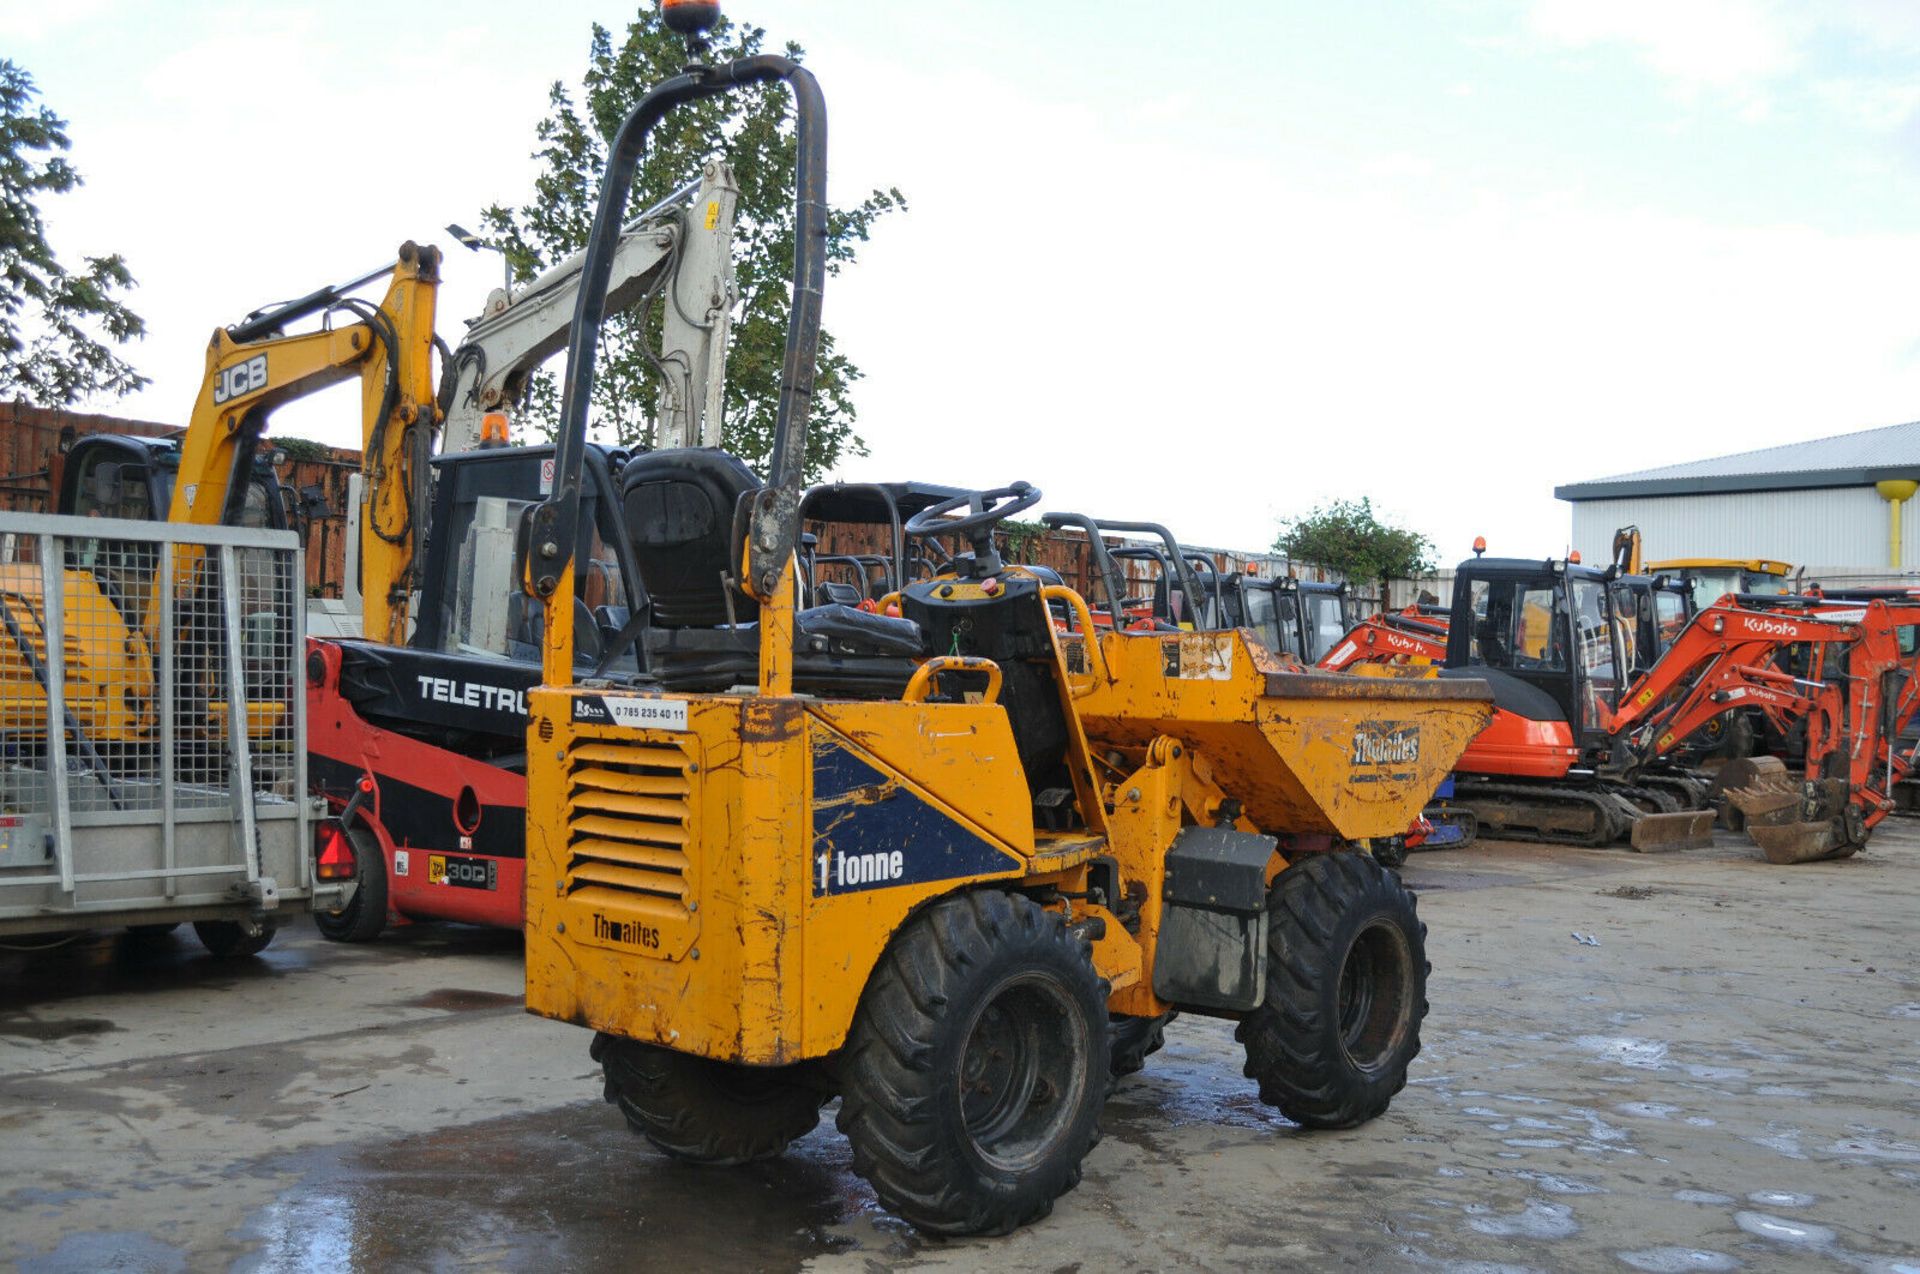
(928, 894)
(215, 472)
(167, 656)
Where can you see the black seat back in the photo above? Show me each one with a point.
(678, 508)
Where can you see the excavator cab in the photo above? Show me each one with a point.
(127, 476)
(1271, 608)
(1326, 615)
(1710, 579)
(1545, 635)
(1651, 611)
(469, 606)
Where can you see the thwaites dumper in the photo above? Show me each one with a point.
(152, 758)
(935, 897)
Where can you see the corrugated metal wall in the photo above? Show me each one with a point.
(1845, 526)
(30, 449)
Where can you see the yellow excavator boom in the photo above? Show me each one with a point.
(251, 370)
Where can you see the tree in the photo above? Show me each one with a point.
(755, 132)
(1346, 537)
(49, 353)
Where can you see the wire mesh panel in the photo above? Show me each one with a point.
(151, 703)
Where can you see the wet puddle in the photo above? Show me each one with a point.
(462, 1000)
(563, 1189)
(27, 1028)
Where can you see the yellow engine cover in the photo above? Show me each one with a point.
(720, 873)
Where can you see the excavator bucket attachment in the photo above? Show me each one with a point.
(1788, 843)
(1663, 833)
(1775, 807)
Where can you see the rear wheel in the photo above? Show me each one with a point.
(972, 1079)
(1346, 992)
(225, 939)
(1132, 1040)
(703, 1111)
(365, 914)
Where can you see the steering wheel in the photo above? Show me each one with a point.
(988, 509)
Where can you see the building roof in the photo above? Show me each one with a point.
(1844, 460)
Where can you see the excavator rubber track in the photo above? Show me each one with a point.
(1653, 817)
(1552, 814)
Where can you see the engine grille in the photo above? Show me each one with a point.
(630, 820)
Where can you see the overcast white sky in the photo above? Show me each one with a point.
(1210, 263)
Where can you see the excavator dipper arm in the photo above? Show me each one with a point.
(680, 249)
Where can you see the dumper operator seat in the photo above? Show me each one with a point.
(986, 611)
(679, 508)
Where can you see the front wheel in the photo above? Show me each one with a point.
(972, 1080)
(702, 1111)
(1346, 992)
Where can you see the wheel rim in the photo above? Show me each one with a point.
(1376, 986)
(1022, 1072)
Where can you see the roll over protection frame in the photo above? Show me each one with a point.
(1110, 572)
(773, 523)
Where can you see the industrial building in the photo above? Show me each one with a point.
(1835, 507)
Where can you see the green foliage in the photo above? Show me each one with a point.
(300, 450)
(1019, 539)
(49, 353)
(1348, 538)
(754, 132)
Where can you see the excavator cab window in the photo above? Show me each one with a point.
(490, 616)
(1326, 623)
(473, 605)
(1519, 627)
(1632, 605)
(1540, 630)
(1669, 613)
(1597, 644)
(113, 485)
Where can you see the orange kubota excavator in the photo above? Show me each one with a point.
(1590, 737)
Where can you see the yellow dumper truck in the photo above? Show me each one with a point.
(935, 862)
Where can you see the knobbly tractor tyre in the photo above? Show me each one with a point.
(702, 1111)
(1346, 992)
(365, 914)
(228, 939)
(972, 1079)
(1132, 1040)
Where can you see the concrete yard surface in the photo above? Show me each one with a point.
(1682, 1062)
